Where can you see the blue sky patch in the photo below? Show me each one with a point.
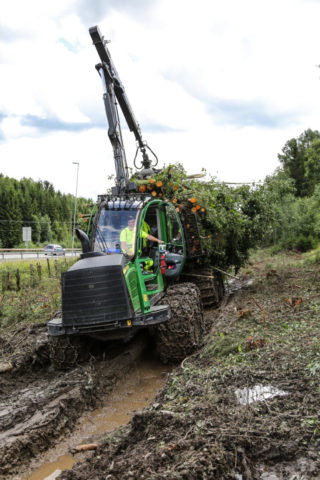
(54, 124)
(2, 116)
(249, 113)
(158, 128)
(68, 45)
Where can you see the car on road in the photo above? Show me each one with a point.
(54, 249)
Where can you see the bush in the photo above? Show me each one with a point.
(305, 243)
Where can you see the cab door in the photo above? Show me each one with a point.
(150, 223)
(147, 260)
(175, 244)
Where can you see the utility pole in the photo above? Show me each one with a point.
(75, 206)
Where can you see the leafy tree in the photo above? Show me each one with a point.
(296, 220)
(46, 231)
(312, 174)
(36, 229)
(301, 161)
(10, 216)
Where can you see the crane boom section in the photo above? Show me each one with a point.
(114, 131)
(122, 98)
(114, 93)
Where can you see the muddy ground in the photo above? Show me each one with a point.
(244, 406)
(39, 404)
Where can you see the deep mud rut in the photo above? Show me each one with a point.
(131, 394)
(38, 404)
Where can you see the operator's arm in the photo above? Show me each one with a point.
(154, 239)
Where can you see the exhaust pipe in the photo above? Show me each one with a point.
(84, 239)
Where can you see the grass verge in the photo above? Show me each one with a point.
(30, 291)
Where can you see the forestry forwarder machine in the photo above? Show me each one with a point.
(110, 294)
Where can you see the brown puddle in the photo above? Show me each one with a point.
(135, 392)
(51, 470)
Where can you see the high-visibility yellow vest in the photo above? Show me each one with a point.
(145, 228)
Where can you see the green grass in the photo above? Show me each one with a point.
(35, 297)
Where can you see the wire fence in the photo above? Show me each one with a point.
(15, 276)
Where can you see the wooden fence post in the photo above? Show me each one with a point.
(39, 270)
(32, 275)
(18, 279)
(5, 281)
(49, 270)
(56, 267)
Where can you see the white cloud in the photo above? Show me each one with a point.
(220, 85)
(50, 157)
(12, 128)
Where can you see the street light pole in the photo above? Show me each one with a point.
(75, 206)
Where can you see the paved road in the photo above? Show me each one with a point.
(4, 256)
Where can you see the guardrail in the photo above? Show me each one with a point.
(14, 253)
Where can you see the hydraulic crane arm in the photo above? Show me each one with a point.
(113, 92)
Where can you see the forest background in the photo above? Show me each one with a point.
(282, 212)
(26, 203)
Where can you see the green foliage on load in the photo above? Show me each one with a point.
(232, 220)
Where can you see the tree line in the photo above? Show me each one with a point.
(295, 186)
(26, 203)
(284, 211)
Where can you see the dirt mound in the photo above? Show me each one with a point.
(25, 348)
(143, 452)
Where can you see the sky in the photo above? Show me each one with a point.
(214, 85)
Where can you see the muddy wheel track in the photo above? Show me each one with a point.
(39, 404)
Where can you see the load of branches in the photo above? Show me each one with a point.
(232, 220)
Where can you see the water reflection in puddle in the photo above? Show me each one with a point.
(132, 394)
(269, 476)
(258, 393)
(233, 285)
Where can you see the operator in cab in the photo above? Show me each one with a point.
(127, 238)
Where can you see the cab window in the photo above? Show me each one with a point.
(150, 225)
(115, 231)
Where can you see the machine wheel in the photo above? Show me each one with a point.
(184, 332)
(67, 351)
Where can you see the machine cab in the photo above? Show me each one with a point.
(123, 226)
